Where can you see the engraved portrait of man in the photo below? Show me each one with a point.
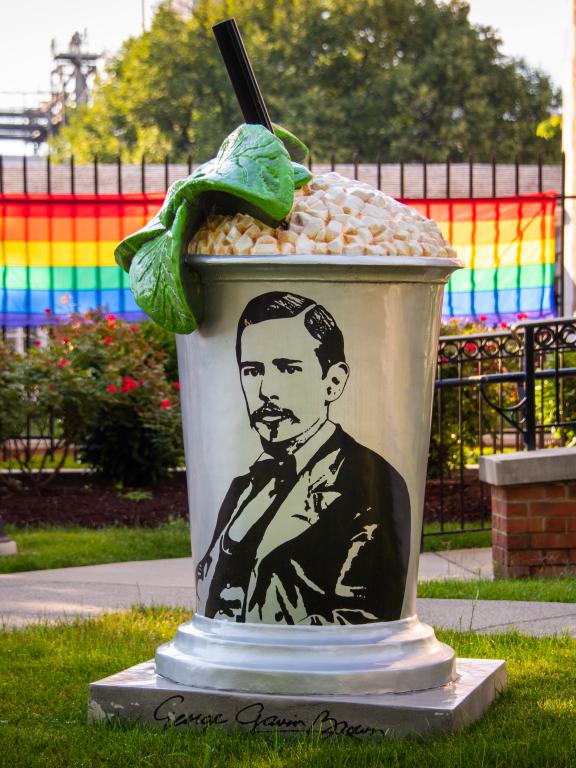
(317, 530)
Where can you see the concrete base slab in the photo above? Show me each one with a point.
(8, 547)
(139, 695)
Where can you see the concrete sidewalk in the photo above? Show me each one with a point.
(67, 593)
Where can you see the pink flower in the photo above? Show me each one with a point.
(133, 328)
(443, 359)
(165, 404)
(176, 385)
(37, 343)
(111, 388)
(48, 311)
(64, 361)
(483, 318)
(521, 316)
(107, 340)
(110, 317)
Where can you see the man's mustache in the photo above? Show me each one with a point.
(269, 409)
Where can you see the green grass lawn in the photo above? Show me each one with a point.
(55, 547)
(35, 462)
(43, 701)
(561, 590)
(440, 542)
(60, 547)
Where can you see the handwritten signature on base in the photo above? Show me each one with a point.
(254, 718)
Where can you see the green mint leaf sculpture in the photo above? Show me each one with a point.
(297, 149)
(156, 280)
(253, 173)
(301, 175)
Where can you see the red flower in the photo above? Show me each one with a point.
(107, 340)
(503, 325)
(111, 388)
(37, 343)
(110, 317)
(165, 404)
(469, 347)
(128, 384)
(65, 341)
(64, 361)
(483, 318)
(443, 359)
(48, 311)
(176, 385)
(521, 316)
(133, 328)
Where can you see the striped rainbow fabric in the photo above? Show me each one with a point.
(508, 247)
(57, 254)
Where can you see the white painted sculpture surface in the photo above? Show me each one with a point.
(306, 400)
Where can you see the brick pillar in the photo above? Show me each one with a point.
(533, 512)
(534, 529)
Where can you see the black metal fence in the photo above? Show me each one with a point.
(495, 392)
(509, 390)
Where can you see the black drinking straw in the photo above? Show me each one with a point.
(241, 73)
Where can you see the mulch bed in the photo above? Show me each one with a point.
(81, 501)
(447, 500)
(86, 503)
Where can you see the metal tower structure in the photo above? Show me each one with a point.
(72, 72)
(70, 76)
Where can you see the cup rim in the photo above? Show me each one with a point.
(320, 260)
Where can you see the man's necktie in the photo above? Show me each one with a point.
(261, 472)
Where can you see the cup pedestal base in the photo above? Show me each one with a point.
(140, 695)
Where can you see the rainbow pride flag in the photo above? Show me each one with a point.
(57, 254)
(508, 247)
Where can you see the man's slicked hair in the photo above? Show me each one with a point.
(319, 323)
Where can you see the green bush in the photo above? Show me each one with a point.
(102, 385)
(43, 394)
(462, 422)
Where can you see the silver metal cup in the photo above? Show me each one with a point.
(306, 404)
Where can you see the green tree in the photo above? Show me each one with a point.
(396, 77)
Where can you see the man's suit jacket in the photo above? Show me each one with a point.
(331, 548)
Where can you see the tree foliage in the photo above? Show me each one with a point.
(398, 77)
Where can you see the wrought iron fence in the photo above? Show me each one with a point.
(513, 389)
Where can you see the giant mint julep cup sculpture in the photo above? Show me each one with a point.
(306, 399)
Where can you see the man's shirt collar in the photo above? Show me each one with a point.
(308, 449)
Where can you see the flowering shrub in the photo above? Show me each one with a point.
(12, 415)
(102, 385)
(43, 395)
